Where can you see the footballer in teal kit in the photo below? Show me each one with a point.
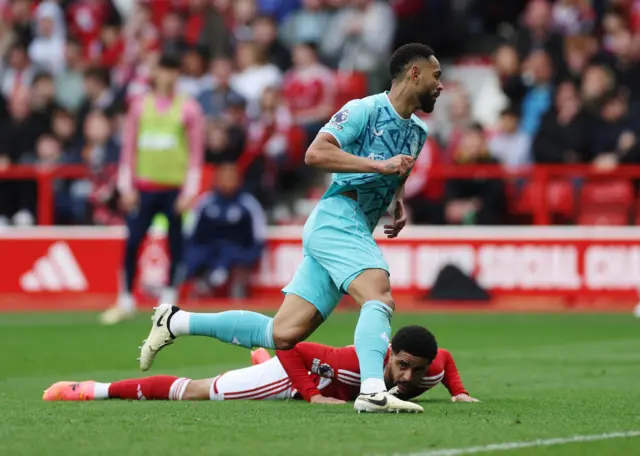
(370, 146)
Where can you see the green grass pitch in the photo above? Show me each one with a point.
(539, 377)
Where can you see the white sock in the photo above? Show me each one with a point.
(178, 388)
(372, 385)
(126, 301)
(169, 296)
(179, 323)
(101, 391)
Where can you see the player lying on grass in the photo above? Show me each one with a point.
(317, 373)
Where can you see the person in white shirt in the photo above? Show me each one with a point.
(47, 50)
(510, 146)
(255, 75)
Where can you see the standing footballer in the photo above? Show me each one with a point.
(370, 145)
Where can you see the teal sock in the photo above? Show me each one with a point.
(372, 341)
(239, 327)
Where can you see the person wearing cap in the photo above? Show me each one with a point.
(159, 173)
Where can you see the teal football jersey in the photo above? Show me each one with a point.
(371, 127)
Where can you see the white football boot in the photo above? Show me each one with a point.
(384, 402)
(159, 337)
(636, 311)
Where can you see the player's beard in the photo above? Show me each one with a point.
(427, 102)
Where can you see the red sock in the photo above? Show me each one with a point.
(156, 387)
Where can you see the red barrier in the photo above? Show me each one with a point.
(539, 178)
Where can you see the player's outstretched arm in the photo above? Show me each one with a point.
(453, 382)
(325, 153)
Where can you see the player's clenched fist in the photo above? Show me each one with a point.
(400, 165)
(320, 399)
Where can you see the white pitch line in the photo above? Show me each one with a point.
(530, 444)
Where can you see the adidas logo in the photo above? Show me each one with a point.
(58, 270)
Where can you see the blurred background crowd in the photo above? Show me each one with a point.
(526, 82)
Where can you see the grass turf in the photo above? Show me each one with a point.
(539, 376)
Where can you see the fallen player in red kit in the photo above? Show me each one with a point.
(314, 372)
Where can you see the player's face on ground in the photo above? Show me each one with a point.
(407, 370)
(425, 76)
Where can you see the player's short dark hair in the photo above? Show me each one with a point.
(415, 340)
(406, 55)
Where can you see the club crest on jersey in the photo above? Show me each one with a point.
(323, 370)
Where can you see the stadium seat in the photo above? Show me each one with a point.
(606, 203)
(560, 198)
(608, 192)
(602, 217)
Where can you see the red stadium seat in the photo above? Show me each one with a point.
(559, 194)
(607, 193)
(602, 217)
(606, 203)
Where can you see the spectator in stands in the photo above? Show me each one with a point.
(309, 89)
(18, 73)
(172, 33)
(564, 131)
(70, 81)
(578, 52)
(98, 94)
(214, 100)
(109, 50)
(537, 33)
(86, 18)
(20, 18)
(195, 79)
(215, 34)
(510, 146)
(17, 139)
(477, 201)
(43, 93)
(624, 62)
(244, 12)
(97, 151)
(597, 81)
(227, 235)
(539, 75)
(160, 172)
(47, 154)
(63, 127)
(306, 25)
(360, 39)
(613, 23)
(220, 147)
(571, 17)
(268, 147)
(255, 75)
(614, 135)
(507, 65)
(265, 34)
(452, 119)
(47, 48)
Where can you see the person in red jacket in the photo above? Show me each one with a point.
(314, 372)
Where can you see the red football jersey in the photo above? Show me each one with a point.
(335, 372)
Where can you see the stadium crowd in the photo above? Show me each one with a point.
(562, 86)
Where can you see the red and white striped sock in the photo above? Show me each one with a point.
(158, 387)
